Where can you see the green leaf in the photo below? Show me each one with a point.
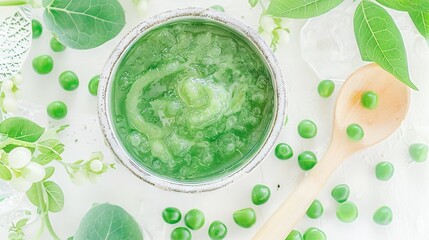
(21, 129)
(421, 21)
(55, 196)
(49, 171)
(35, 195)
(253, 3)
(21, 223)
(108, 222)
(379, 40)
(84, 24)
(5, 173)
(50, 149)
(301, 8)
(406, 5)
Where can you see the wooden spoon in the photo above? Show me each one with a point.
(378, 124)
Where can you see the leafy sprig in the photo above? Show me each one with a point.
(28, 152)
(377, 35)
(16, 231)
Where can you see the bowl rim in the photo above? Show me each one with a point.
(104, 104)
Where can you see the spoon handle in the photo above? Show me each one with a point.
(294, 207)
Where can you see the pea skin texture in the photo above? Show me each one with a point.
(283, 151)
(194, 219)
(419, 152)
(260, 194)
(383, 216)
(307, 160)
(43, 64)
(93, 85)
(341, 193)
(217, 230)
(171, 215)
(181, 233)
(307, 129)
(314, 234)
(369, 100)
(56, 46)
(57, 110)
(384, 171)
(315, 210)
(69, 81)
(326, 88)
(294, 235)
(355, 132)
(245, 218)
(37, 28)
(347, 212)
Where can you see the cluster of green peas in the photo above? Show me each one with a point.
(68, 80)
(195, 219)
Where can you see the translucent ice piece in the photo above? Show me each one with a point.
(32, 111)
(328, 43)
(9, 198)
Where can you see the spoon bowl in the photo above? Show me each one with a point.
(378, 124)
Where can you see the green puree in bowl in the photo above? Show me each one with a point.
(192, 100)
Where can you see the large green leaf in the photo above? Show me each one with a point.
(108, 222)
(35, 195)
(50, 149)
(301, 8)
(379, 40)
(421, 20)
(55, 196)
(406, 5)
(84, 24)
(20, 129)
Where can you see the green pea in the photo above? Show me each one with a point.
(194, 219)
(260, 194)
(57, 110)
(56, 46)
(245, 218)
(43, 64)
(384, 171)
(218, 8)
(37, 28)
(294, 235)
(69, 80)
(93, 85)
(171, 215)
(341, 193)
(307, 129)
(315, 211)
(283, 151)
(355, 132)
(217, 230)
(369, 100)
(314, 234)
(383, 216)
(307, 160)
(326, 88)
(419, 152)
(347, 212)
(181, 233)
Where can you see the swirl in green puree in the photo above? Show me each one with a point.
(192, 100)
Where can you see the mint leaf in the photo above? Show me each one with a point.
(301, 8)
(108, 222)
(379, 40)
(55, 196)
(406, 5)
(5, 173)
(84, 24)
(421, 21)
(50, 149)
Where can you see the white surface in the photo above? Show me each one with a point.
(407, 192)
